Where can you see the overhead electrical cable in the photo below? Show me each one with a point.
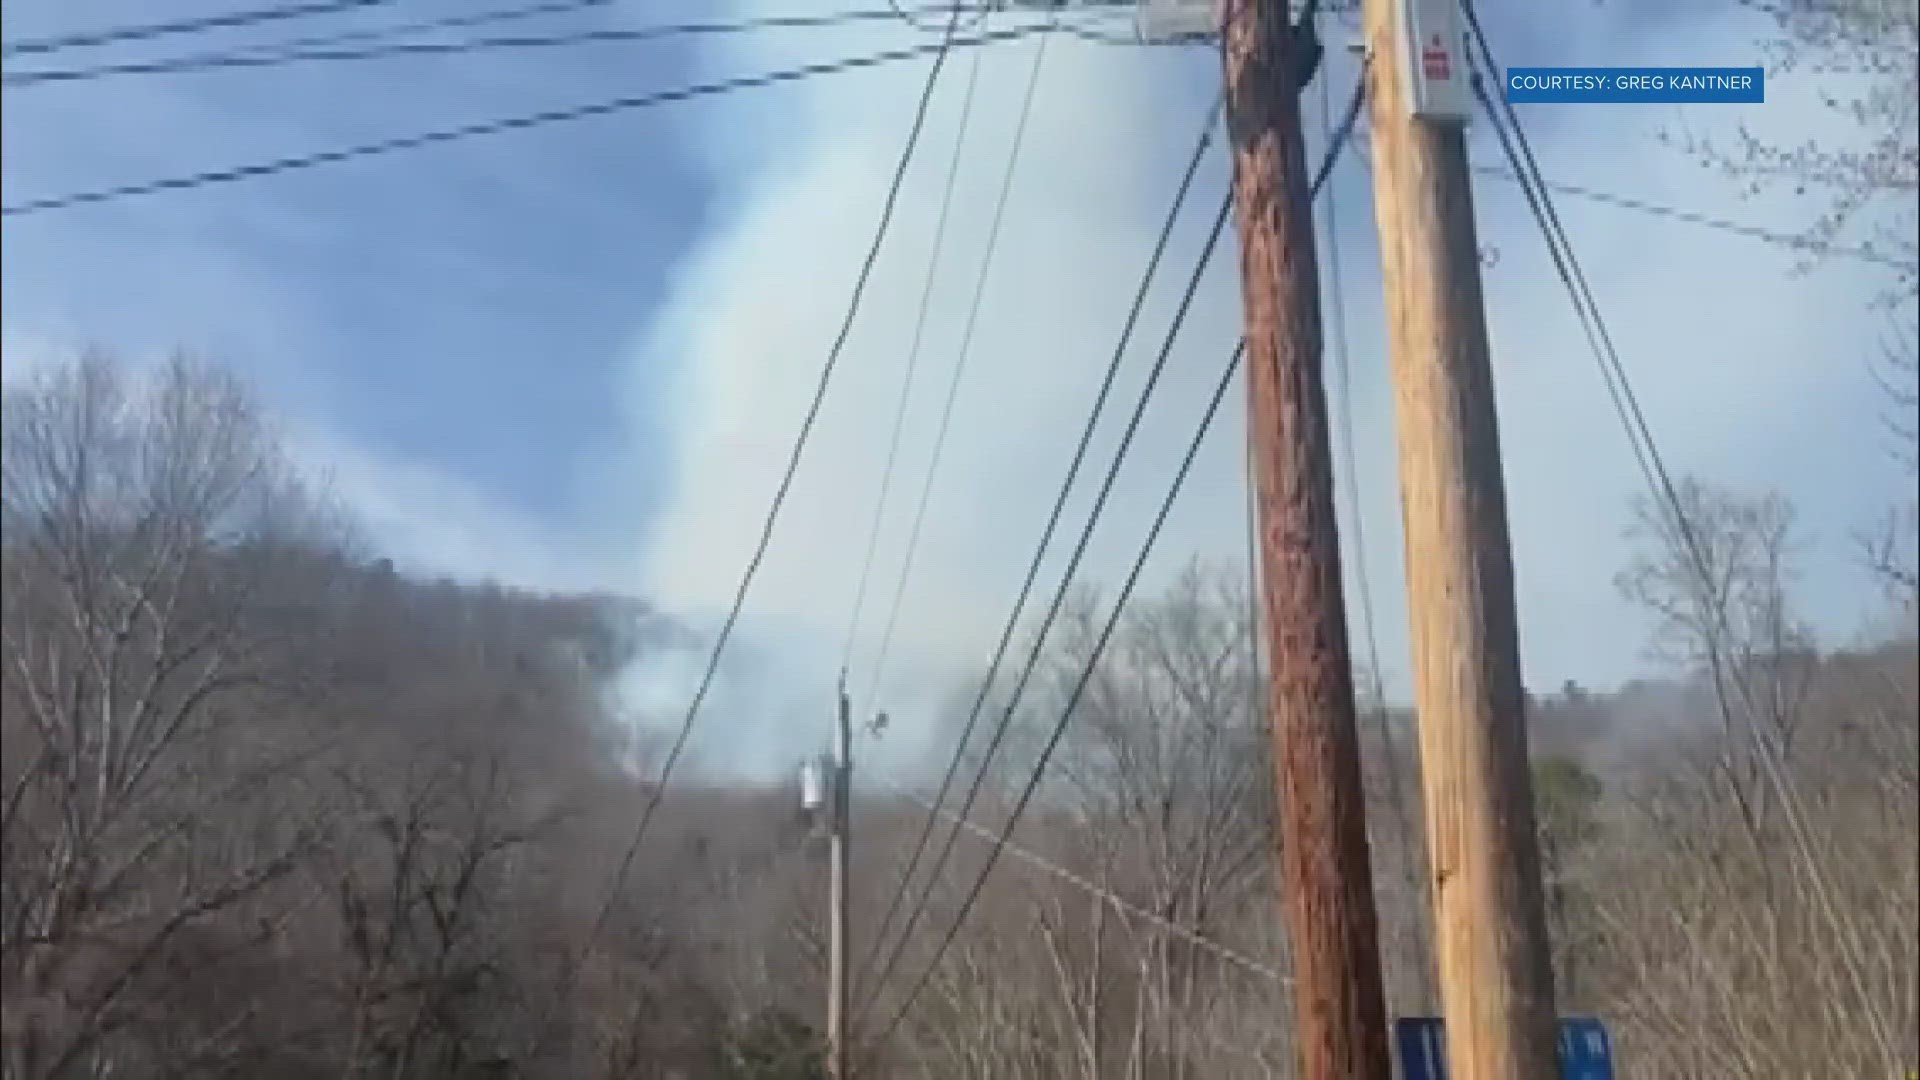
(913, 362)
(391, 31)
(1332, 153)
(1093, 889)
(1512, 175)
(617, 883)
(500, 125)
(1099, 648)
(1343, 381)
(1613, 371)
(911, 16)
(1519, 152)
(883, 650)
(1039, 640)
(280, 57)
(147, 31)
(1011, 625)
(1001, 202)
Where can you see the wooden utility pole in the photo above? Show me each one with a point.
(841, 798)
(1496, 979)
(1326, 876)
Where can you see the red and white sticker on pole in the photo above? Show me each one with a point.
(1432, 56)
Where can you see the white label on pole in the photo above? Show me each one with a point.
(1433, 58)
(812, 786)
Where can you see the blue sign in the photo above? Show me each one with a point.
(1640, 85)
(1585, 1051)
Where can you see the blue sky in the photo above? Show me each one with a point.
(368, 297)
(573, 356)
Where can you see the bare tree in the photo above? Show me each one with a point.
(418, 886)
(1715, 569)
(1752, 873)
(1866, 55)
(1893, 547)
(270, 809)
(150, 528)
(1160, 796)
(1167, 775)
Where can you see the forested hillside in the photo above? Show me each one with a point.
(272, 809)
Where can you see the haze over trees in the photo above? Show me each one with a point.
(271, 808)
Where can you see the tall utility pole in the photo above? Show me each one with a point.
(1496, 979)
(841, 798)
(1326, 876)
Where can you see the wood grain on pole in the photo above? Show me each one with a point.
(1496, 978)
(1326, 874)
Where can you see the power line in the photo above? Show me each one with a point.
(228, 20)
(1863, 252)
(1332, 153)
(1087, 33)
(1613, 373)
(1634, 419)
(913, 362)
(1038, 643)
(450, 22)
(1343, 378)
(909, 16)
(625, 865)
(1073, 700)
(1694, 217)
(516, 14)
(1113, 899)
(946, 419)
(505, 124)
(1012, 622)
(1519, 153)
(959, 367)
(292, 55)
(1011, 625)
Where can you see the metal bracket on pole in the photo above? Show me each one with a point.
(1307, 52)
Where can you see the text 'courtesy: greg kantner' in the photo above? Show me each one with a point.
(1621, 86)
